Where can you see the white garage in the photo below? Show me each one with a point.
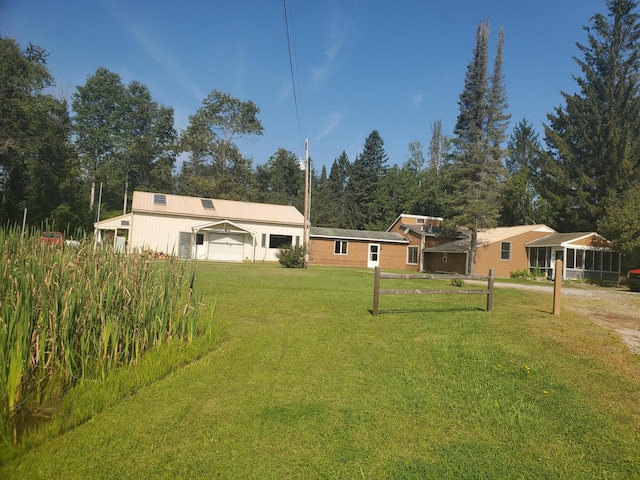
(226, 247)
(206, 228)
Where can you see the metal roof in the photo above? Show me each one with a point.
(342, 233)
(560, 239)
(178, 205)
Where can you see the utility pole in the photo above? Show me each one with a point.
(307, 201)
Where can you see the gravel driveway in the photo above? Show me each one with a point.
(616, 308)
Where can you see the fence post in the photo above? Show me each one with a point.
(376, 290)
(492, 273)
(557, 287)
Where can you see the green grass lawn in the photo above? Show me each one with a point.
(308, 384)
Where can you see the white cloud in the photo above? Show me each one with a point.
(160, 55)
(336, 37)
(330, 124)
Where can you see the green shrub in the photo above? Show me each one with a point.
(292, 256)
(457, 282)
(524, 273)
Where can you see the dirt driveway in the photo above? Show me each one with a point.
(616, 308)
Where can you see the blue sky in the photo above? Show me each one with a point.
(394, 66)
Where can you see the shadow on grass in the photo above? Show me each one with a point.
(396, 311)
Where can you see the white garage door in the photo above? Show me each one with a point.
(226, 247)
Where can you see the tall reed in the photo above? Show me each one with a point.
(72, 313)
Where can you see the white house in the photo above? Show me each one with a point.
(204, 228)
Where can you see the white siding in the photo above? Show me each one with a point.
(162, 234)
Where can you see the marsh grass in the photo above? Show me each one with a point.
(308, 384)
(69, 315)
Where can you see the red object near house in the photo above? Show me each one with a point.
(52, 238)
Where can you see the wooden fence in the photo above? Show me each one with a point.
(409, 276)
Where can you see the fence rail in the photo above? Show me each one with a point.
(377, 291)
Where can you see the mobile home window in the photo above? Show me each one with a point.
(340, 247)
(505, 251)
(199, 238)
(412, 255)
(279, 241)
(263, 242)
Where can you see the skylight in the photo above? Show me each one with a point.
(207, 203)
(159, 199)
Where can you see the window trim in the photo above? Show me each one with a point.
(506, 251)
(341, 247)
(412, 248)
(280, 241)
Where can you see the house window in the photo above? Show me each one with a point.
(263, 243)
(444, 257)
(412, 255)
(199, 238)
(571, 258)
(505, 251)
(159, 199)
(340, 247)
(580, 259)
(207, 203)
(280, 241)
(419, 220)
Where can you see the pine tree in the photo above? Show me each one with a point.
(337, 184)
(520, 202)
(477, 155)
(365, 174)
(594, 138)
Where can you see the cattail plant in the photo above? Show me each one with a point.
(73, 313)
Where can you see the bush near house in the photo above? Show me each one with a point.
(292, 256)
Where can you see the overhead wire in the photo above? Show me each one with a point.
(293, 69)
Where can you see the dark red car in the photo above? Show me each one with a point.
(633, 280)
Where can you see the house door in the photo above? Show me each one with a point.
(374, 255)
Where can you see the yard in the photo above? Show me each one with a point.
(308, 384)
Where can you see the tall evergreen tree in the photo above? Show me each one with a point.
(337, 185)
(594, 140)
(477, 162)
(521, 205)
(281, 181)
(365, 174)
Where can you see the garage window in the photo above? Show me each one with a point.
(280, 241)
(199, 238)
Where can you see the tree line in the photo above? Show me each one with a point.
(581, 176)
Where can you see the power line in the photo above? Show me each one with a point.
(288, 20)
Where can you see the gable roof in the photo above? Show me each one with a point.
(366, 235)
(178, 205)
(563, 239)
(426, 218)
(490, 236)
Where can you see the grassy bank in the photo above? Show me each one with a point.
(309, 384)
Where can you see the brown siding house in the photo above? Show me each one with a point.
(360, 248)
